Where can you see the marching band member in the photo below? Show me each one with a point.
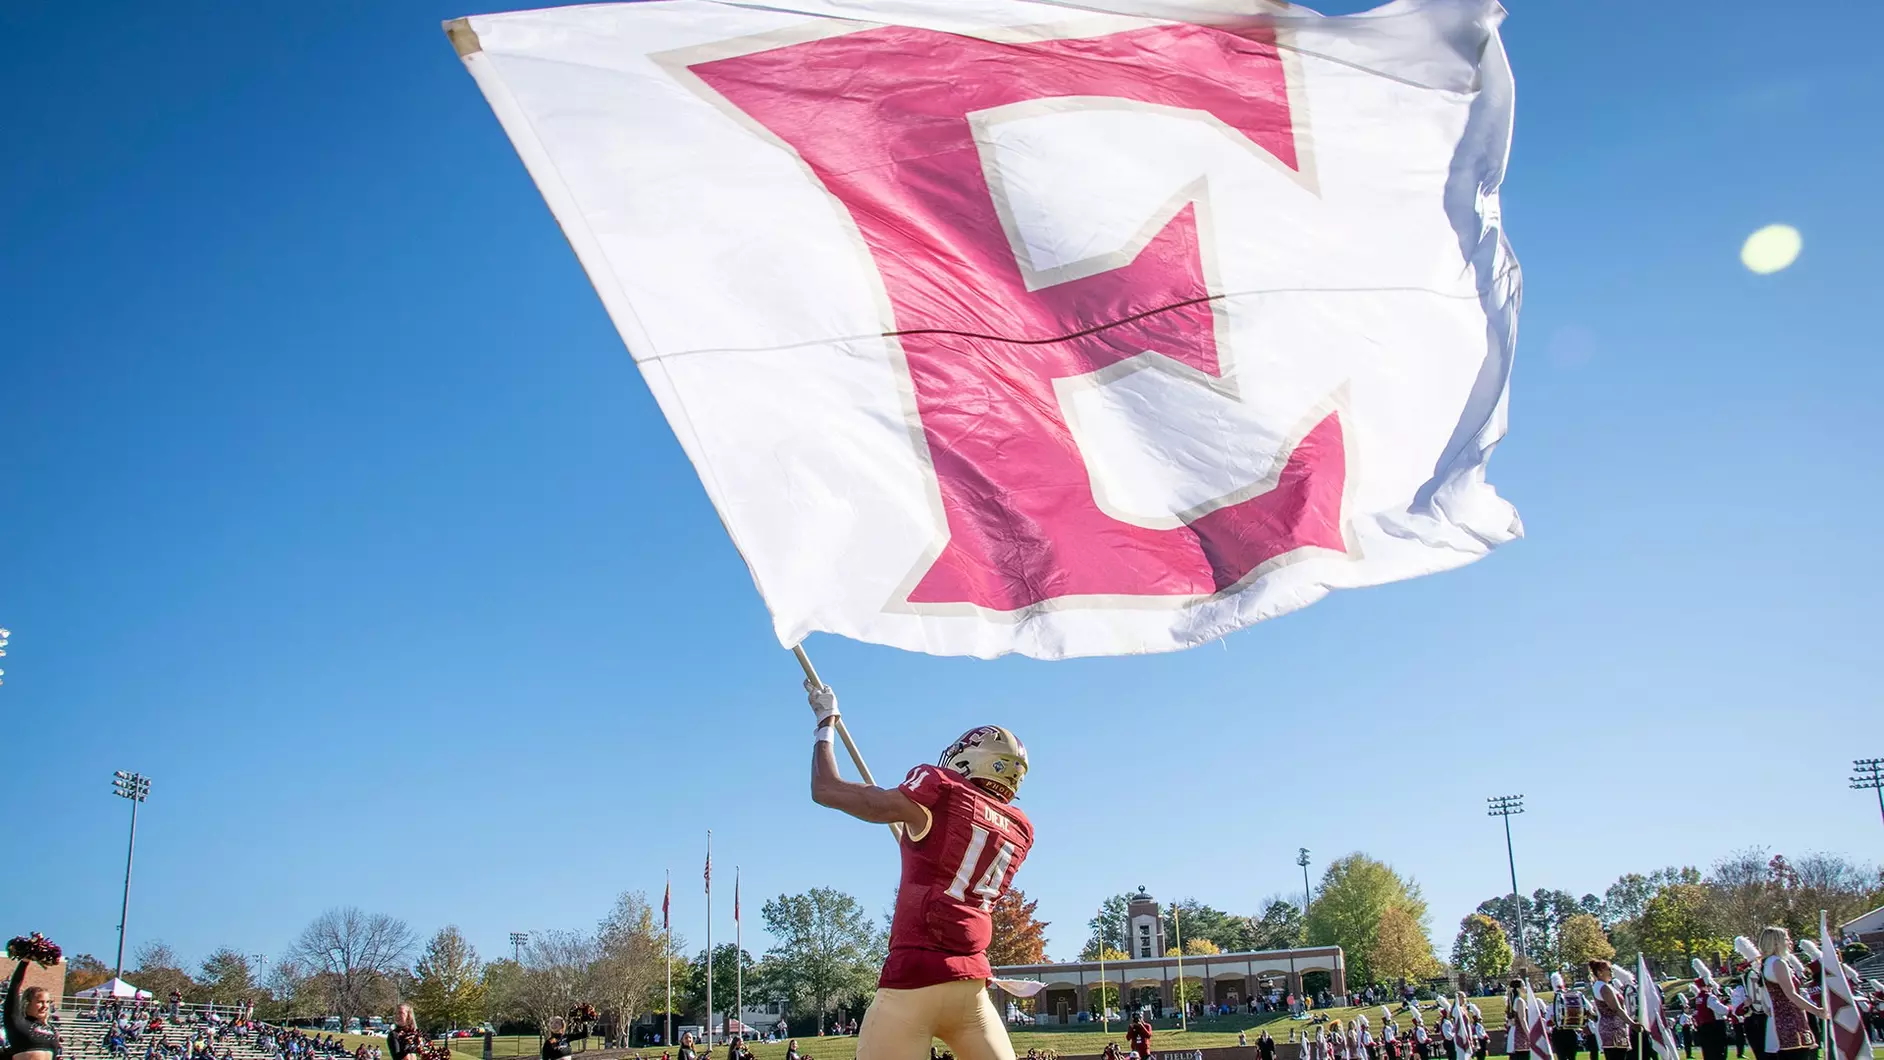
(1422, 1045)
(1612, 1012)
(1710, 1013)
(1517, 1022)
(1448, 1030)
(1569, 1012)
(1389, 1034)
(1749, 997)
(1337, 1041)
(1363, 1038)
(1788, 1035)
(1481, 1038)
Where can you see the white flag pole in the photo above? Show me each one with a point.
(856, 756)
(709, 942)
(739, 958)
(667, 927)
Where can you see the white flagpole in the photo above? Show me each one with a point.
(739, 957)
(667, 926)
(709, 957)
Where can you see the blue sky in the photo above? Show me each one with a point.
(332, 503)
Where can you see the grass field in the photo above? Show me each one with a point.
(1077, 1040)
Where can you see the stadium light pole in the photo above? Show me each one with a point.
(1301, 858)
(1865, 772)
(1504, 806)
(136, 787)
(517, 941)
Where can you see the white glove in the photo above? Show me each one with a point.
(823, 701)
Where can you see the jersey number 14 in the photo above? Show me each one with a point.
(989, 885)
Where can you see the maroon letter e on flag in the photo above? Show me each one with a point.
(892, 139)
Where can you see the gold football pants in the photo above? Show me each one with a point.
(901, 1023)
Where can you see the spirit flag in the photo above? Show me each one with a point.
(1844, 1031)
(1018, 326)
(1536, 1031)
(1652, 1014)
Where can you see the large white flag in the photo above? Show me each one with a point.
(995, 325)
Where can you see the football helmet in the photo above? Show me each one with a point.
(991, 754)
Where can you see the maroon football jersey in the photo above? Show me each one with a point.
(952, 876)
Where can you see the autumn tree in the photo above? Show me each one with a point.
(160, 971)
(556, 973)
(1581, 940)
(84, 972)
(450, 990)
(1019, 936)
(1356, 891)
(359, 953)
(1401, 948)
(1481, 948)
(630, 957)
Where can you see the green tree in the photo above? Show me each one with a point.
(1356, 891)
(1280, 928)
(1582, 941)
(503, 989)
(226, 978)
(690, 979)
(1675, 923)
(1107, 925)
(1401, 948)
(1481, 949)
(1195, 920)
(450, 992)
(826, 949)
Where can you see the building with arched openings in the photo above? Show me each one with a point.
(1148, 978)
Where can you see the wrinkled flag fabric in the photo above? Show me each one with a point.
(996, 326)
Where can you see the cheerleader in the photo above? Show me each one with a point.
(556, 1045)
(28, 1017)
(403, 1040)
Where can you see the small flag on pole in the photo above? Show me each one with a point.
(1844, 1031)
(667, 903)
(735, 896)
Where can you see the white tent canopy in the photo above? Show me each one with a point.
(115, 988)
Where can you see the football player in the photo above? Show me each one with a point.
(962, 840)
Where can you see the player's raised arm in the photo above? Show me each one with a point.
(865, 802)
